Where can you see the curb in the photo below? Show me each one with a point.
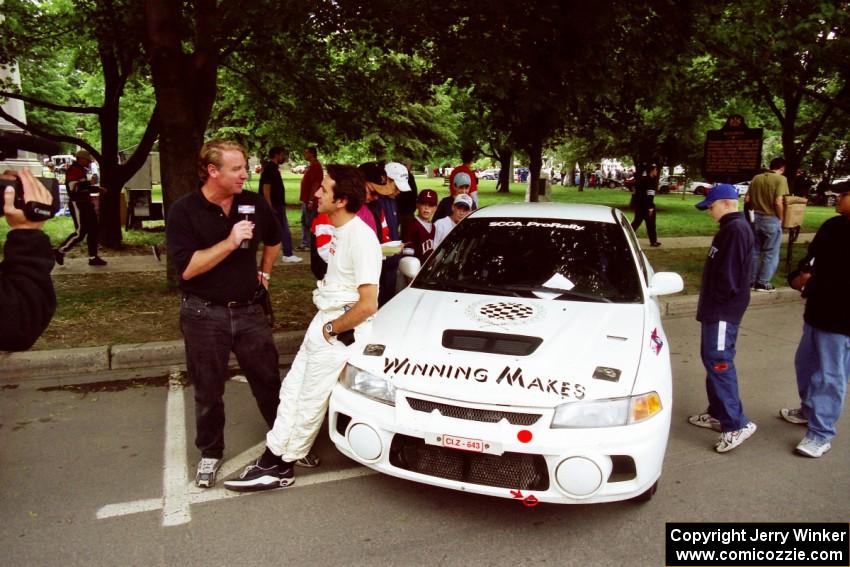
(83, 362)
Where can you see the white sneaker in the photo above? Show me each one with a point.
(813, 448)
(207, 469)
(794, 416)
(291, 259)
(731, 439)
(704, 420)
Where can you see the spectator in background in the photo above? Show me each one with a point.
(462, 185)
(418, 232)
(460, 209)
(466, 156)
(406, 200)
(644, 200)
(385, 212)
(80, 192)
(766, 194)
(309, 185)
(822, 361)
(271, 187)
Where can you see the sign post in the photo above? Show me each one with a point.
(733, 153)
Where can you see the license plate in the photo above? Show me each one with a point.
(462, 443)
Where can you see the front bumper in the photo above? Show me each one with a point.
(515, 457)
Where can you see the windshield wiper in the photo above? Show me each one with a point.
(560, 291)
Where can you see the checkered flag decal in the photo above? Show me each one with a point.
(503, 311)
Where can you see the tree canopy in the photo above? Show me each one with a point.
(423, 78)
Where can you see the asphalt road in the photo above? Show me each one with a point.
(90, 478)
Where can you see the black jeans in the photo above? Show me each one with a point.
(211, 332)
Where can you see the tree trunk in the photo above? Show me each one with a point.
(185, 87)
(506, 160)
(535, 162)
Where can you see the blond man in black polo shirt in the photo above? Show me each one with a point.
(213, 235)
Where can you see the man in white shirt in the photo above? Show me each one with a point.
(347, 299)
(460, 209)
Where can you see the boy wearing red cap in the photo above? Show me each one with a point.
(418, 232)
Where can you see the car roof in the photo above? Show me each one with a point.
(594, 213)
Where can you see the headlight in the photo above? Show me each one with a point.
(607, 413)
(367, 384)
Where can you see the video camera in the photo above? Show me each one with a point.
(10, 144)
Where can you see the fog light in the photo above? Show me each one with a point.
(580, 477)
(365, 442)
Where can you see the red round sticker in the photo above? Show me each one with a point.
(524, 436)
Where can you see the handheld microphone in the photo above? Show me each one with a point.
(248, 212)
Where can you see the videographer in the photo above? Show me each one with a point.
(27, 297)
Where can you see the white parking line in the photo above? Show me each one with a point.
(174, 475)
(179, 492)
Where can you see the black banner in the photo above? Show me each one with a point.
(758, 544)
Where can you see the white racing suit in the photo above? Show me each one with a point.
(307, 386)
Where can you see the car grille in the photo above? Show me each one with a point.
(473, 414)
(518, 471)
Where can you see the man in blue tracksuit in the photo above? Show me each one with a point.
(724, 296)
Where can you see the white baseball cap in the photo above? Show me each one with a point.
(398, 173)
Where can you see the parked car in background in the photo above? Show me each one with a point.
(491, 174)
(671, 183)
(298, 169)
(698, 187)
(742, 188)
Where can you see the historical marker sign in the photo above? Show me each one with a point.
(733, 153)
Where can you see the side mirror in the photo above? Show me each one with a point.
(665, 283)
(409, 266)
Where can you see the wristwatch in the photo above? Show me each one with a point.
(329, 329)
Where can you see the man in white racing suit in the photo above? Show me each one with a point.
(347, 299)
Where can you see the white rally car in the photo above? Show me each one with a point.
(526, 360)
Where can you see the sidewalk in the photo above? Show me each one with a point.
(95, 363)
(137, 263)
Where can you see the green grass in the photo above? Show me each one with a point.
(676, 214)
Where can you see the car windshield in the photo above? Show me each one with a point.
(545, 258)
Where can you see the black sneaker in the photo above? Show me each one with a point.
(655, 244)
(59, 257)
(256, 478)
(97, 261)
(311, 461)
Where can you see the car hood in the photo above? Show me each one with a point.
(467, 347)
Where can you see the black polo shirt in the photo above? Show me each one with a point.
(195, 224)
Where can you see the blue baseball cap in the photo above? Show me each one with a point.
(462, 179)
(716, 193)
